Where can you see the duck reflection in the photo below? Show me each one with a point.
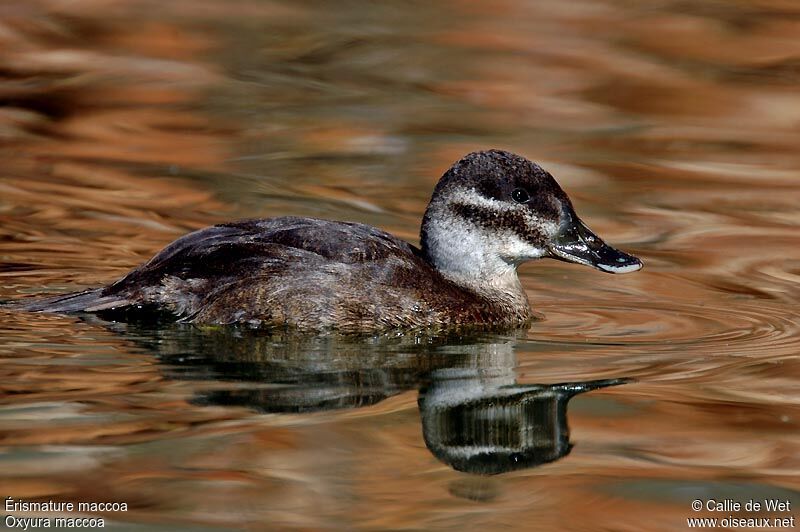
(475, 417)
(483, 422)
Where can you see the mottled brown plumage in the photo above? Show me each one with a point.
(317, 275)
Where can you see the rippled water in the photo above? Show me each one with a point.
(673, 126)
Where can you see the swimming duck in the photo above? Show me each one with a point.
(490, 212)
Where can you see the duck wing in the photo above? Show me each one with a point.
(240, 250)
(232, 272)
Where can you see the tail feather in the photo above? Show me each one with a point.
(86, 301)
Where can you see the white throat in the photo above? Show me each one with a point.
(471, 257)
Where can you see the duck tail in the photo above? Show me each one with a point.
(86, 301)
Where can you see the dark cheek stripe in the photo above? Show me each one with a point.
(494, 220)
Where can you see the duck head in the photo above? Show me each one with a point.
(493, 210)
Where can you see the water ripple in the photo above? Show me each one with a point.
(744, 327)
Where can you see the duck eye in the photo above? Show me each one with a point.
(520, 195)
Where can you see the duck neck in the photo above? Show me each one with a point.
(464, 256)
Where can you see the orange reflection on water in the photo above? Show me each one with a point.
(672, 125)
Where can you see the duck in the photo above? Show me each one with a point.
(490, 212)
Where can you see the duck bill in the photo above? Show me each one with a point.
(577, 243)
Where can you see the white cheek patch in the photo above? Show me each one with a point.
(474, 198)
(456, 245)
(514, 249)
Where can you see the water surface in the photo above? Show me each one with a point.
(673, 126)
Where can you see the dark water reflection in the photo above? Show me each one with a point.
(673, 125)
(475, 417)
